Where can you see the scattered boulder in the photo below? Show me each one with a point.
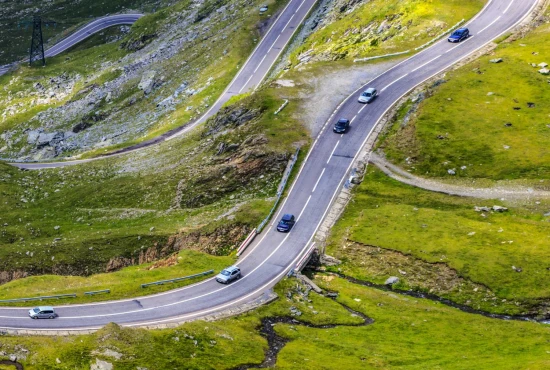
(543, 65)
(295, 312)
(33, 135)
(482, 209)
(329, 260)
(496, 60)
(499, 209)
(517, 269)
(101, 365)
(544, 71)
(147, 82)
(451, 171)
(392, 280)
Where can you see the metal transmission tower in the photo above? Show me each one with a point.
(37, 43)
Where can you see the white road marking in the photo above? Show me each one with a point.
(353, 119)
(319, 179)
(363, 107)
(508, 7)
(460, 44)
(489, 25)
(259, 64)
(405, 75)
(336, 146)
(423, 65)
(246, 83)
(303, 209)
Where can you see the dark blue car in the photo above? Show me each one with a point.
(286, 223)
(459, 35)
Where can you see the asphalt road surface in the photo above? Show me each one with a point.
(82, 33)
(321, 176)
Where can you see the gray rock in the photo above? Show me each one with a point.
(392, 280)
(543, 65)
(544, 71)
(499, 209)
(13, 358)
(147, 81)
(32, 136)
(327, 260)
(517, 269)
(496, 60)
(57, 361)
(101, 365)
(451, 172)
(169, 101)
(482, 209)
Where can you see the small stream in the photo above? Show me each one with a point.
(275, 342)
(17, 365)
(445, 301)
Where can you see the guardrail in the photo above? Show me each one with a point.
(72, 295)
(439, 36)
(381, 56)
(280, 191)
(98, 292)
(302, 261)
(161, 282)
(246, 242)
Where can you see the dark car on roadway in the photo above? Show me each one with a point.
(341, 126)
(286, 223)
(228, 275)
(459, 35)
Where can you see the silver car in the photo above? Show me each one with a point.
(228, 275)
(42, 312)
(368, 95)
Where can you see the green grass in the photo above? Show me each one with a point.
(407, 333)
(411, 24)
(125, 283)
(437, 228)
(473, 122)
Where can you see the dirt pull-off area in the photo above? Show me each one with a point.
(500, 191)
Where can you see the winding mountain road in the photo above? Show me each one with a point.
(83, 33)
(320, 178)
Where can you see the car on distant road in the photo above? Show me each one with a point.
(341, 126)
(368, 95)
(228, 275)
(42, 312)
(459, 35)
(286, 223)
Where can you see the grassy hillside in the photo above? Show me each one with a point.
(443, 245)
(406, 333)
(165, 72)
(187, 193)
(378, 27)
(488, 120)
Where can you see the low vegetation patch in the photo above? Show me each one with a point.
(488, 119)
(503, 252)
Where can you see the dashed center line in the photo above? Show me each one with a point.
(303, 209)
(508, 7)
(489, 25)
(363, 107)
(246, 83)
(333, 150)
(353, 119)
(319, 179)
(428, 62)
(405, 75)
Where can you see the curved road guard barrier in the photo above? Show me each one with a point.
(160, 282)
(72, 295)
(246, 242)
(280, 191)
(98, 292)
(440, 35)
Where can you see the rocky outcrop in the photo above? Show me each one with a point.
(7, 276)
